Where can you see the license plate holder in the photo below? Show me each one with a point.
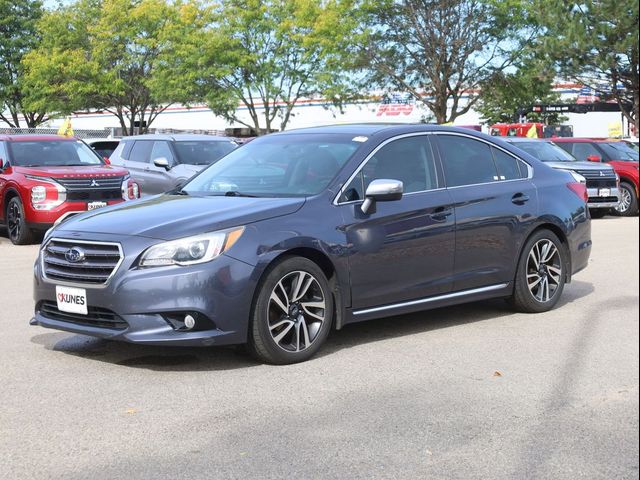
(95, 205)
(72, 300)
(604, 192)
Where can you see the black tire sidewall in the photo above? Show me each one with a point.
(260, 340)
(522, 297)
(25, 236)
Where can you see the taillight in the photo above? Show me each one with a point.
(580, 189)
(130, 189)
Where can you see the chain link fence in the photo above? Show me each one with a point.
(80, 133)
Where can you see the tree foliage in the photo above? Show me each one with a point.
(18, 35)
(103, 55)
(595, 42)
(264, 55)
(440, 51)
(504, 93)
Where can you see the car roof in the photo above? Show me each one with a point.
(368, 129)
(585, 140)
(35, 138)
(525, 139)
(178, 137)
(97, 139)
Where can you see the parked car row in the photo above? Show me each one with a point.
(45, 179)
(299, 232)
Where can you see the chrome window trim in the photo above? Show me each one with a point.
(368, 157)
(518, 159)
(415, 134)
(446, 296)
(78, 284)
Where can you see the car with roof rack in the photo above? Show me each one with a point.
(162, 162)
(45, 179)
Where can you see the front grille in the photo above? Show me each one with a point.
(602, 199)
(90, 183)
(97, 317)
(608, 174)
(98, 263)
(602, 183)
(92, 188)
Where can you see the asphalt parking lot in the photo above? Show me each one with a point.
(474, 391)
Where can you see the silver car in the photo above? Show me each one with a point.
(160, 163)
(603, 184)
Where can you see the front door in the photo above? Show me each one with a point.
(405, 249)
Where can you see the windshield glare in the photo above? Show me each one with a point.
(202, 152)
(620, 151)
(52, 153)
(278, 165)
(545, 151)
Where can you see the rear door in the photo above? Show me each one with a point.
(494, 200)
(159, 179)
(404, 250)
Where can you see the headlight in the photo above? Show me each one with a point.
(191, 250)
(38, 194)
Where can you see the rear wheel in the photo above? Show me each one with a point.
(628, 205)
(541, 274)
(19, 232)
(292, 314)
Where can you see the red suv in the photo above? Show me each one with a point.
(45, 178)
(622, 157)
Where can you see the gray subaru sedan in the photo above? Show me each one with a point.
(300, 232)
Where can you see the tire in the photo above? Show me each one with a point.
(598, 212)
(536, 298)
(628, 205)
(19, 232)
(285, 327)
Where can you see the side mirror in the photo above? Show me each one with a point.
(594, 158)
(382, 190)
(162, 162)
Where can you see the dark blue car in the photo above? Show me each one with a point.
(302, 231)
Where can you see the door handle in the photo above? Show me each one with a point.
(440, 214)
(520, 198)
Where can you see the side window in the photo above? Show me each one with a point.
(141, 151)
(3, 154)
(409, 160)
(466, 161)
(161, 149)
(581, 150)
(508, 167)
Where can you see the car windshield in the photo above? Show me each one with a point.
(277, 166)
(620, 151)
(52, 153)
(545, 151)
(202, 152)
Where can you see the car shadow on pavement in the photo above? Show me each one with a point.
(229, 358)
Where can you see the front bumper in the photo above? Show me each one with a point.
(45, 219)
(609, 201)
(219, 291)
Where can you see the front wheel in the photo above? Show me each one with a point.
(628, 205)
(19, 232)
(292, 314)
(541, 274)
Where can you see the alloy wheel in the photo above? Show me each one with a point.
(625, 201)
(544, 270)
(14, 220)
(296, 311)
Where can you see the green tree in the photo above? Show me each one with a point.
(595, 42)
(441, 51)
(18, 35)
(264, 55)
(103, 55)
(504, 93)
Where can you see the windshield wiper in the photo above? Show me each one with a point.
(235, 193)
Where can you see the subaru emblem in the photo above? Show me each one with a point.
(94, 183)
(74, 255)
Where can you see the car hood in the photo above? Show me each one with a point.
(168, 217)
(579, 166)
(62, 172)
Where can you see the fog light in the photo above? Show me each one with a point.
(189, 322)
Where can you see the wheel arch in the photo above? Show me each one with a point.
(322, 260)
(562, 236)
(6, 198)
